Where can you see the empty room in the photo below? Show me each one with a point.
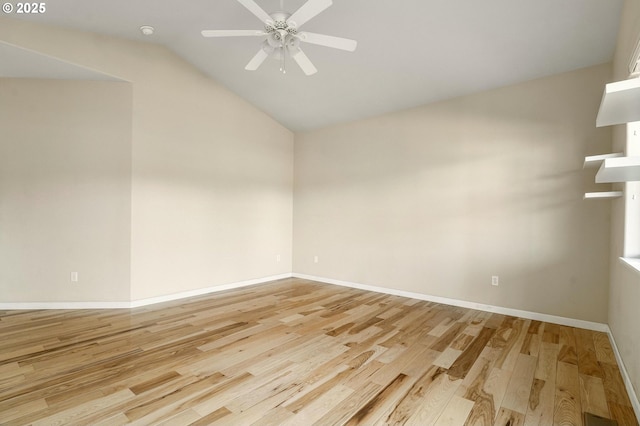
(306, 212)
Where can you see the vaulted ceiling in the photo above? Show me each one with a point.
(410, 52)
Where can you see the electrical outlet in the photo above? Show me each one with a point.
(278, 258)
(315, 259)
(495, 280)
(74, 277)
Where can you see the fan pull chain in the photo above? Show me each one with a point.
(284, 54)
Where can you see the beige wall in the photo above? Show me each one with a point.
(65, 190)
(624, 296)
(211, 175)
(437, 199)
(212, 185)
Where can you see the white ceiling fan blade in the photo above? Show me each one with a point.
(257, 60)
(232, 33)
(253, 7)
(329, 41)
(303, 61)
(307, 11)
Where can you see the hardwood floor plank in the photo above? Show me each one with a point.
(585, 349)
(433, 399)
(320, 407)
(80, 413)
(541, 403)
(364, 374)
(18, 354)
(390, 371)
(465, 361)
(383, 402)
(623, 414)
(424, 361)
(281, 382)
(212, 417)
(496, 386)
(615, 390)
(456, 412)
(299, 352)
(483, 411)
(415, 397)
(155, 409)
(348, 408)
(255, 409)
(185, 417)
(217, 396)
(567, 341)
(513, 345)
(446, 335)
(602, 345)
(507, 417)
(117, 420)
(495, 321)
(154, 383)
(519, 388)
(279, 355)
(462, 342)
(532, 340)
(547, 362)
(475, 321)
(275, 417)
(22, 410)
(12, 381)
(592, 396)
(567, 403)
(447, 358)
(13, 369)
(442, 329)
(314, 388)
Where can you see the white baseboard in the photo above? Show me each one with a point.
(635, 403)
(595, 326)
(207, 290)
(22, 306)
(140, 302)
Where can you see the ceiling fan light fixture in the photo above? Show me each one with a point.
(293, 43)
(274, 40)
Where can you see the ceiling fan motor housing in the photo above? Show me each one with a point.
(280, 24)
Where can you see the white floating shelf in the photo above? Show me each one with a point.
(595, 160)
(620, 169)
(620, 103)
(608, 194)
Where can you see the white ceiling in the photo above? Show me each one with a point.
(17, 62)
(410, 52)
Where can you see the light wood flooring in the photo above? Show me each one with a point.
(295, 352)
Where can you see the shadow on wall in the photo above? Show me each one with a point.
(437, 199)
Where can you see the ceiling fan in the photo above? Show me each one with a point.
(283, 37)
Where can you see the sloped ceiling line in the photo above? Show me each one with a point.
(19, 62)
